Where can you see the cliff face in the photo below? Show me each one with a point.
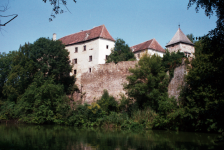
(111, 77)
(177, 81)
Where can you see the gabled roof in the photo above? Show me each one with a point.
(179, 37)
(151, 44)
(97, 32)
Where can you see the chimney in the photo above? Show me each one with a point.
(54, 36)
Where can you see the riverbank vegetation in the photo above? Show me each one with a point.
(35, 81)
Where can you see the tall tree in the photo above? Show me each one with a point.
(20, 75)
(148, 82)
(6, 61)
(121, 52)
(51, 58)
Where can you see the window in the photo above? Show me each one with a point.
(106, 57)
(74, 71)
(84, 48)
(89, 69)
(107, 46)
(75, 61)
(138, 55)
(90, 58)
(76, 50)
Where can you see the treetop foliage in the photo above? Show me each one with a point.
(121, 52)
(57, 7)
(210, 7)
(148, 82)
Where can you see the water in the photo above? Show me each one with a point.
(29, 137)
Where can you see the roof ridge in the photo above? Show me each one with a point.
(142, 42)
(102, 30)
(151, 42)
(81, 31)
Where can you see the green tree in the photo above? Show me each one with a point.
(107, 102)
(51, 58)
(210, 7)
(6, 61)
(148, 83)
(20, 75)
(121, 52)
(172, 60)
(43, 102)
(191, 37)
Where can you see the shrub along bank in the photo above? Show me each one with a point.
(35, 81)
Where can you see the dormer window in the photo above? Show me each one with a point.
(84, 48)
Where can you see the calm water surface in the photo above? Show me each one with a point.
(27, 137)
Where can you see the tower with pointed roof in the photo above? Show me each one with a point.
(180, 42)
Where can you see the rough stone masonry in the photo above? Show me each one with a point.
(112, 76)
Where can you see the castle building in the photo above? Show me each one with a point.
(88, 48)
(150, 47)
(180, 42)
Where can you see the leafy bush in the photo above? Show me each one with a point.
(107, 102)
(43, 102)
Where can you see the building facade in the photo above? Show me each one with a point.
(180, 42)
(88, 48)
(150, 47)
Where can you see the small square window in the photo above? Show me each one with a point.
(90, 70)
(74, 71)
(75, 61)
(76, 50)
(106, 57)
(84, 48)
(90, 58)
(107, 46)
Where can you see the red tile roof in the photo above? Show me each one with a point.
(97, 32)
(151, 44)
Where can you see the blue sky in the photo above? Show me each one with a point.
(135, 21)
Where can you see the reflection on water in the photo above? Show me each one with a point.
(24, 137)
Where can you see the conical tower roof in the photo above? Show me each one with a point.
(179, 37)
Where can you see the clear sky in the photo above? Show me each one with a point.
(135, 21)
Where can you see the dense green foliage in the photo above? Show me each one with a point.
(107, 102)
(121, 52)
(172, 60)
(35, 81)
(5, 68)
(148, 82)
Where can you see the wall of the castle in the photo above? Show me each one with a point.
(97, 49)
(109, 76)
(182, 48)
(138, 54)
(177, 81)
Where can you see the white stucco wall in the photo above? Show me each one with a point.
(103, 51)
(149, 51)
(152, 52)
(95, 48)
